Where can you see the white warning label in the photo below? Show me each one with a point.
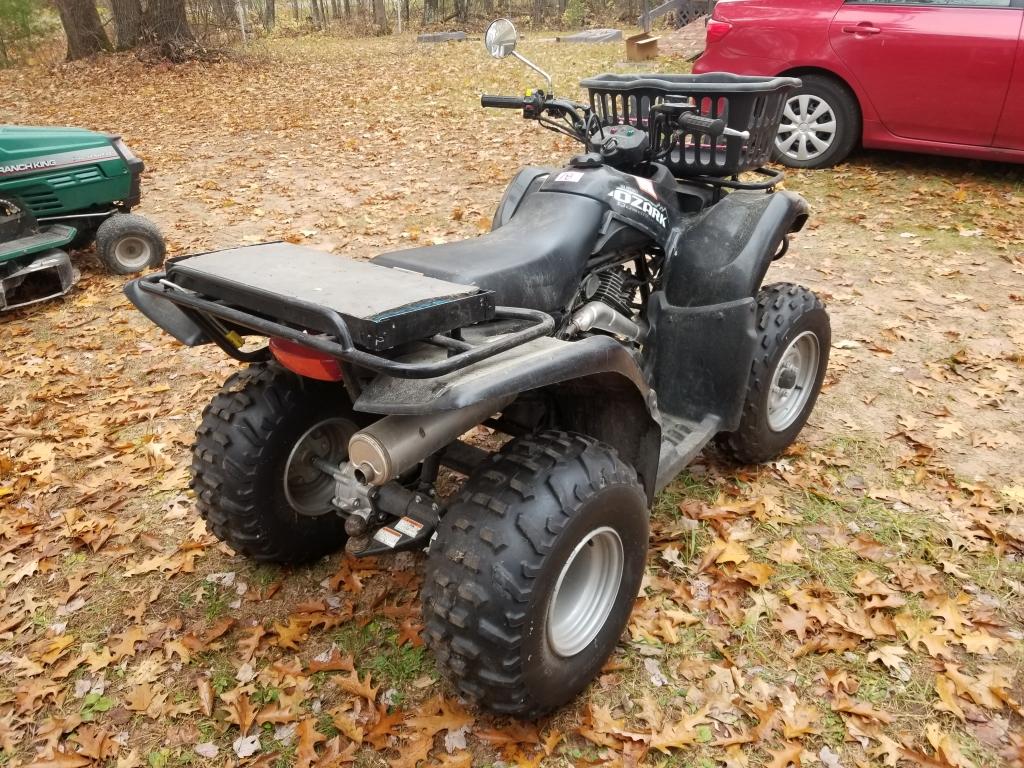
(389, 537)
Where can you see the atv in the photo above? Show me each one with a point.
(62, 189)
(610, 326)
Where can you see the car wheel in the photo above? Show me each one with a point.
(820, 124)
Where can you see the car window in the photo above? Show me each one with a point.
(957, 3)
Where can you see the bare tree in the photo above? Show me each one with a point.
(127, 23)
(83, 28)
(167, 26)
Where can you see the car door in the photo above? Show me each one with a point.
(934, 70)
(1010, 133)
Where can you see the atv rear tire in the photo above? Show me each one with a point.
(245, 442)
(532, 577)
(794, 335)
(127, 244)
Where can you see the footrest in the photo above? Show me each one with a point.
(53, 236)
(382, 306)
(681, 441)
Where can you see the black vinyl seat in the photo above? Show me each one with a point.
(534, 261)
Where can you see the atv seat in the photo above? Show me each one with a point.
(534, 261)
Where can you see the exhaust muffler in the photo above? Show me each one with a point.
(387, 448)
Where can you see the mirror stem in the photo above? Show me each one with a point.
(535, 68)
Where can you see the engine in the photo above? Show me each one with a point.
(608, 304)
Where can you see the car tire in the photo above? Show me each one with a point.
(826, 104)
(244, 446)
(534, 571)
(794, 336)
(128, 244)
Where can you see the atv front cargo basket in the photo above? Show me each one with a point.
(382, 307)
(751, 104)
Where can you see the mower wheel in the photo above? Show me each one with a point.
(794, 334)
(252, 464)
(532, 577)
(127, 244)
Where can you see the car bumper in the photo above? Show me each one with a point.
(714, 61)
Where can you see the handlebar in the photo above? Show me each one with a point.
(712, 126)
(503, 102)
(709, 125)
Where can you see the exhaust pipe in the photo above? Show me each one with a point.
(387, 448)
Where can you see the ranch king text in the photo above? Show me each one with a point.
(6, 170)
(626, 196)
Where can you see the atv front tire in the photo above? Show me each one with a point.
(532, 577)
(794, 335)
(249, 464)
(127, 244)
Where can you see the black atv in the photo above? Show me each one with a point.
(612, 324)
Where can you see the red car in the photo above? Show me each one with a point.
(939, 76)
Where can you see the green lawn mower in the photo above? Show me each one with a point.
(63, 189)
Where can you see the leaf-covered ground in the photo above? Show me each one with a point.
(857, 603)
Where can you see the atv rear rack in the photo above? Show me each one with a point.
(337, 341)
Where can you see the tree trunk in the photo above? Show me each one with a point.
(168, 26)
(83, 28)
(379, 18)
(348, 9)
(269, 15)
(127, 23)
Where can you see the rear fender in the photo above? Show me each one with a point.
(610, 408)
(724, 255)
(167, 315)
(593, 385)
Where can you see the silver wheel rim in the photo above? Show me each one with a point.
(585, 592)
(793, 381)
(133, 252)
(808, 128)
(308, 488)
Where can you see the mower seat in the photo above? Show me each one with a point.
(535, 261)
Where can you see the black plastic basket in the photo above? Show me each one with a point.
(751, 104)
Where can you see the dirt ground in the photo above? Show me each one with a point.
(855, 603)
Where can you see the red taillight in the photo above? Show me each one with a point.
(305, 361)
(717, 30)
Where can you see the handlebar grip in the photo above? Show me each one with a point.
(502, 102)
(709, 125)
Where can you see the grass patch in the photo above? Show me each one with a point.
(397, 665)
(215, 601)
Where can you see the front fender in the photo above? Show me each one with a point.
(724, 255)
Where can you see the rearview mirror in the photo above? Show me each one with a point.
(500, 39)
